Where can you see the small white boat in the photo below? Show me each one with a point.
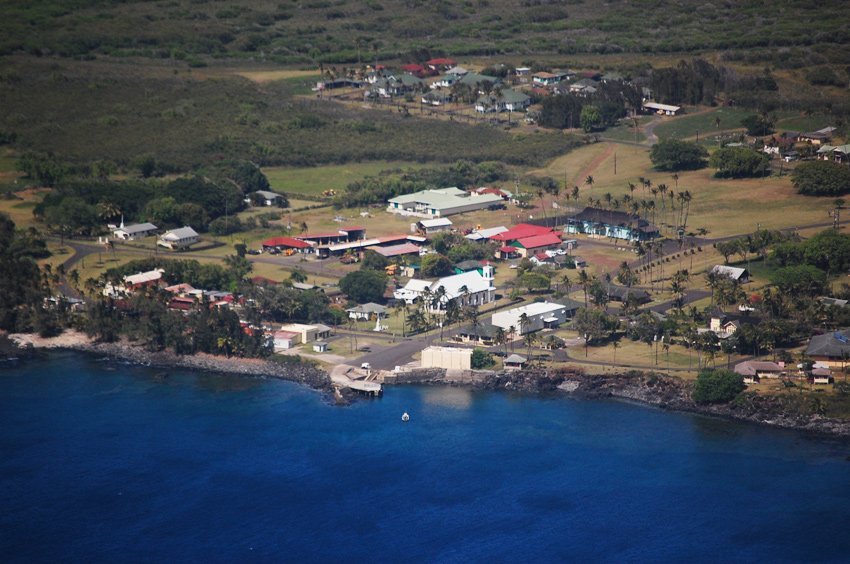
(405, 417)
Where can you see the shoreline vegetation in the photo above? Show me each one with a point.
(646, 388)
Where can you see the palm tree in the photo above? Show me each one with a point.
(523, 323)
(530, 339)
(608, 197)
(584, 281)
(589, 181)
(616, 345)
(500, 338)
(511, 335)
(575, 193)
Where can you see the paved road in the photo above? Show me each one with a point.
(387, 358)
(690, 297)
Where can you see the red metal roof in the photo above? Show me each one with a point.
(412, 68)
(521, 231)
(285, 242)
(440, 61)
(508, 249)
(538, 241)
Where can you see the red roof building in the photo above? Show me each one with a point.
(285, 243)
(521, 231)
(528, 246)
(441, 62)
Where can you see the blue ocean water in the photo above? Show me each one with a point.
(105, 462)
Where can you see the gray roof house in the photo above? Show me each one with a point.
(507, 100)
(830, 348)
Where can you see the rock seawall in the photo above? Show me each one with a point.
(302, 373)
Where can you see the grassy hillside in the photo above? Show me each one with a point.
(349, 31)
(94, 110)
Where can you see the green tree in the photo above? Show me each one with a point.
(534, 281)
(821, 178)
(435, 265)
(590, 119)
(739, 162)
(674, 155)
(482, 359)
(759, 125)
(374, 261)
(803, 279)
(364, 286)
(717, 386)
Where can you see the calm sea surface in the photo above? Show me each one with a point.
(105, 462)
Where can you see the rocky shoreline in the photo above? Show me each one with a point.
(648, 388)
(655, 390)
(299, 372)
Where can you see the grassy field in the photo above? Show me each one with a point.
(723, 207)
(702, 120)
(314, 180)
(625, 131)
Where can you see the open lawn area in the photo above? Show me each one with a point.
(19, 209)
(723, 207)
(625, 131)
(686, 126)
(264, 76)
(315, 180)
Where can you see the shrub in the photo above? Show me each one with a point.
(821, 178)
(717, 386)
(364, 286)
(672, 155)
(482, 359)
(739, 162)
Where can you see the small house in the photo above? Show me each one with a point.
(431, 226)
(181, 238)
(483, 334)
(515, 362)
(754, 370)
(267, 198)
(740, 275)
(320, 346)
(367, 312)
(830, 350)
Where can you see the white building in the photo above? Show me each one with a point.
(181, 238)
(539, 315)
(431, 226)
(662, 109)
(134, 231)
(441, 203)
(308, 333)
(285, 340)
(469, 288)
(447, 357)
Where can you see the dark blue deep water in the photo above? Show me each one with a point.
(104, 462)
